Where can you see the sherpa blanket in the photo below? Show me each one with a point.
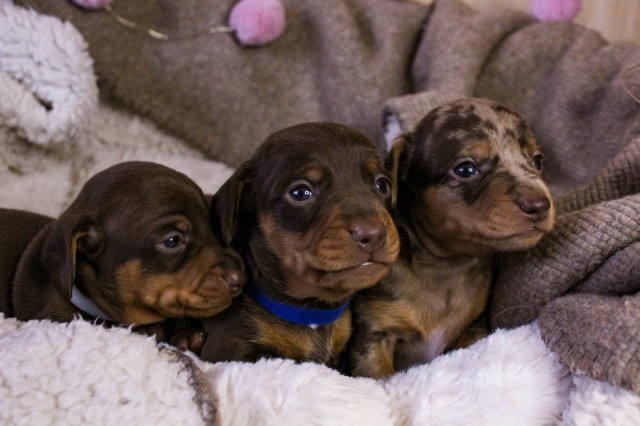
(80, 373)
(564, 79)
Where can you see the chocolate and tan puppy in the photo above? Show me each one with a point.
(134, 247)
(309, 213)
(469, 184)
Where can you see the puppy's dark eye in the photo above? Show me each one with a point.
(538, 159)
(383, 185)
(300, 193)
(466, 169)
(173, 242)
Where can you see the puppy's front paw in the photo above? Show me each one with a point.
(186, 334)
(189, 340)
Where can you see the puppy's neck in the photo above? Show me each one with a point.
(268, 274)
(275, 288)
(293, 310)
(89, 290)
(423, 248)
(82, 302)
(266, 285)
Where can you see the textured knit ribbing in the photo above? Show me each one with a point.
(581, 242)
(594, 248)
(595, 335)
(621, 177)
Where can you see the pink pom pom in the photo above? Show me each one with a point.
(555, 10)
(257, 22)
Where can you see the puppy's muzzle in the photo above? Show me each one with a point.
(235, 280)
(234, 273)
(369, 235)
(535, 205)
(536, 209)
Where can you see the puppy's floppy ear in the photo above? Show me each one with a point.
(226, 203)
(71, 234)
(395, 161)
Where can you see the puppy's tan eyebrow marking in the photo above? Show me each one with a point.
(314, 173)
(183, 225)
(372, 166)
(178, 221)
(477, 150)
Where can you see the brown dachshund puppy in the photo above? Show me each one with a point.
(135, 247)
(468, 185)
(309, 213)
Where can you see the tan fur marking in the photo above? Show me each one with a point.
(303, 342)
(73, 250)
(325, 263)
(291, 342)
(494, 223)
(341, 332)
(373, 166)
(197, 290)
(314, 173)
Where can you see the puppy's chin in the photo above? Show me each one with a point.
(482, 244)
(520, 237)
(171, 304)
(476, 235)
(338, 285)
(174, 310)
(517, 242)
(181, 309)
(155, 297)
(200, 302)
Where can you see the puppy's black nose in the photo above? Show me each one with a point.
(536, 208)
(369, 235)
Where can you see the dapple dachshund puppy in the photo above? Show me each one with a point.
(134, 247)
(309, 214)
(468, 182)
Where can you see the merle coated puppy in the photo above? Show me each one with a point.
(309, 213)
(468, 182)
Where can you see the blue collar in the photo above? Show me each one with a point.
(312, 317)
(86, 305)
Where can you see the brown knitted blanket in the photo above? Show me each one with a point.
(582, 282)
(359, 61)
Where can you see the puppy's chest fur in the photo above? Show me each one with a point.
(320, 344)
(247, 332)
(424, 307)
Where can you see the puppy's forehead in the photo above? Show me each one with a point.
(462, 127)
(139, 187)
(313, 152)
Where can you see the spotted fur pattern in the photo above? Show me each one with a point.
(468, 184)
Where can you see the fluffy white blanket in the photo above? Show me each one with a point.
(80, 373)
